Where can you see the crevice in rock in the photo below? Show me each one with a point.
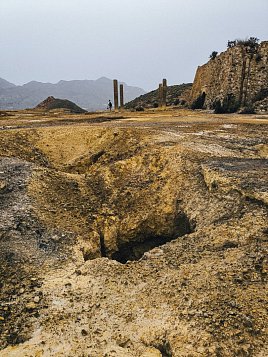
(95, 157)
(102, 246)
(164, 349)
(134, 250)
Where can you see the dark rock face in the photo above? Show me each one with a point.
(237, 78)
(54, 103)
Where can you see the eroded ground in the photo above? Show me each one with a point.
(135, 234)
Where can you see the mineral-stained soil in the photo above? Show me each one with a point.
(138, 234)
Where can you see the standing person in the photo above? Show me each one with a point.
(109, 105)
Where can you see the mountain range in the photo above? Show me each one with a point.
(88, 94)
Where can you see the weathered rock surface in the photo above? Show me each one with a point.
(142, 237)
(239, 74)
(176, 94)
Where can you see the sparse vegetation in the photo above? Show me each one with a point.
(251, 42)
(258, 57)
(213, 55)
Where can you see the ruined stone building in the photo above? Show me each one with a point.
(237, 78)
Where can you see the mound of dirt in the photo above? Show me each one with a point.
(52, 103)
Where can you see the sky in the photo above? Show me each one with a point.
(135, 41)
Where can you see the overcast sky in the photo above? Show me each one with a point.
(136, 41)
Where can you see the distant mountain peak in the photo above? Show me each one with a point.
(103, 79)
(5, 84)
(88, 94)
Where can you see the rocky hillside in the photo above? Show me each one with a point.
(235, 79)
(88, 94)
(140, 237)
(52, 103)
(177, 94)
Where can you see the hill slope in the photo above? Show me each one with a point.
(175, 94)
(88, 94)
(55, 103)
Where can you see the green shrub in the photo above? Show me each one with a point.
(213, 55)
(251, 42)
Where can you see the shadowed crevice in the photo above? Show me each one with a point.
(135, 249)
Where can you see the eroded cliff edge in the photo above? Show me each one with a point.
(240, 74)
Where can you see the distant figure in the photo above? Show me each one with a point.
(109, 105)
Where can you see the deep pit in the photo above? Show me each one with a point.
(143, 243)
(135, 250)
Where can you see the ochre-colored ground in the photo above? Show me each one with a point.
(133, 234)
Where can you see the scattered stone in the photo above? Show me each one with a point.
(3, 185)
(84, 332)
(31, 306)
(152, 352)
(36, 299)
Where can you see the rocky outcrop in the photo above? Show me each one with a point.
(177, 94)
(235, 79)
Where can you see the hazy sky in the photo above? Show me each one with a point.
(136, 41)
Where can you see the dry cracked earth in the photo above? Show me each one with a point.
(133, 235)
